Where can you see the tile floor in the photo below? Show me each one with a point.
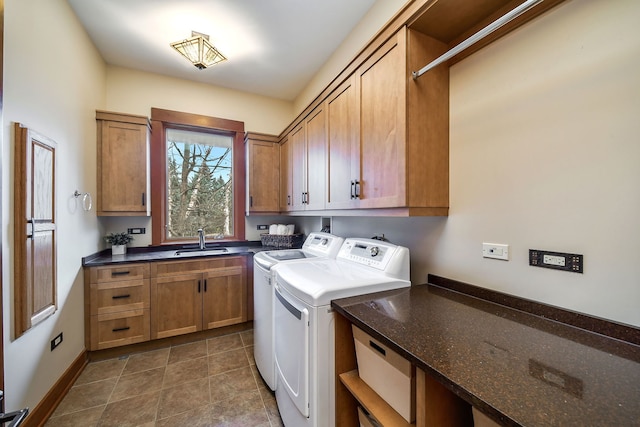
(206, 383)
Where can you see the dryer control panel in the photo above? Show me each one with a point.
(376, 254)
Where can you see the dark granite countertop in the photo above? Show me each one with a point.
(517, 367)
(168, 253)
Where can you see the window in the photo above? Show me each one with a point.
(197, 177)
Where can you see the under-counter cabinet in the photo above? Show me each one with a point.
(263, 173)
(123, 164)
(435, 405)
(195, 295)
(116, 305)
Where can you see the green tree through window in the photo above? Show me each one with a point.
(199, 184)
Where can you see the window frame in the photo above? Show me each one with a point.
(161, 120)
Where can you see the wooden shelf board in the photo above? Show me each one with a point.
(372, 402)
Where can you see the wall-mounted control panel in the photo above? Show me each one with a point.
(556, 260)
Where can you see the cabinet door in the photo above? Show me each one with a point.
(316, 139)
(342, 147)
(264, 175)
(122, 168)
(382, 104)
(176, 305)
(298, 168)
(285, 175)
(224, 297)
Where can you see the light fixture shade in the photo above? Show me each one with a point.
(198, 50)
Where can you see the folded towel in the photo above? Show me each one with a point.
(291, 228)
(282, 229)
(273, 229)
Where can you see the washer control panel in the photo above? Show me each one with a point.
(323, 244)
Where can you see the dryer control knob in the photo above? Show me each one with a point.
(324, 242)
(374, 251)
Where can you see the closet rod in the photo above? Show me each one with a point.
(478, 36)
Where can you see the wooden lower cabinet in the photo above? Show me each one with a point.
(116, 305)
(195, 295)
(132, 303)
(435, 404)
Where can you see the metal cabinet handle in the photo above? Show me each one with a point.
(126, 328)
(205, 285)
(356, 186)
(250, 201)
(198, 286)
(143, 199)
(119, 273)
(121, 296)
(288, 199)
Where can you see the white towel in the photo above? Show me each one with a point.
(273, 229)
(282, 229)
(291, 228)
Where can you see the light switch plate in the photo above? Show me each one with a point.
(495, 251)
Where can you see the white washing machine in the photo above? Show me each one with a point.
(305, 327)
(316, 245)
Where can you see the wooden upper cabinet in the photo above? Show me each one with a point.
(123, 164)
(404, 127)
(305, 170)
(316, 140)
(382, 106)
(286, 187)
(298, 165)
(343, 160)
(263, 161)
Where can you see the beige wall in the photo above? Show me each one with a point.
(545, 154)
(381, 12)
(136, 92)
(53, 81)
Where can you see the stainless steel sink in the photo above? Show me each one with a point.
(203, 252)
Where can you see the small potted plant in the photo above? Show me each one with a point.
(118, 242)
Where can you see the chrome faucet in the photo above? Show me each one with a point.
(201, 238)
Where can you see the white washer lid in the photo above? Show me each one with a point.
(317, 282)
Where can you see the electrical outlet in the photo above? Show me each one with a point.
(263, 227)
(496, 251)
(138, 230)
(556, 260)
(56, 341)
(556, 378)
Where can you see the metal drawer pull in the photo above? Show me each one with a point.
(121, 296)
(205, 285)
(119, 273)
(198, 286)
(126, 328)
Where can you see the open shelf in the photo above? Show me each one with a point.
(372, 402)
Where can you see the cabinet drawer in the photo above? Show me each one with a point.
(199, 265)
(120, 273)
(119, 296)
(116, 329)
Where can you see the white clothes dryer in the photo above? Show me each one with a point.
(305, 327)
(316, 245)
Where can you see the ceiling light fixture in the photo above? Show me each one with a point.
(199, 51)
